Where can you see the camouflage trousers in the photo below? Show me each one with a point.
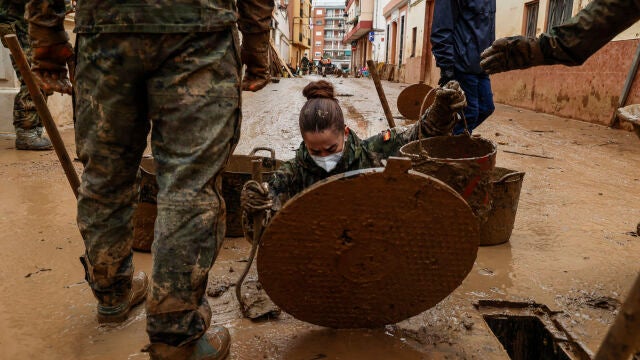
(186, 89)
(25, 115)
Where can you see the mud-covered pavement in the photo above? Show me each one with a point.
(574, 246)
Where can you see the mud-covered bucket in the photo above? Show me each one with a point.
(463, 162)
(236, 174)
(505, 195)
(144, 217)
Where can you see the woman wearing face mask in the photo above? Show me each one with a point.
(329, 147)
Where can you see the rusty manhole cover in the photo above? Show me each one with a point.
(411, 100)
(368, 248)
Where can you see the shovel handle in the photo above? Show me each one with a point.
(43, 111)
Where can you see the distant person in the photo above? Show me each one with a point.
(461, 30)
(304, 64)
(570, 43)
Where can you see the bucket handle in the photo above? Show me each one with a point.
(262, 148)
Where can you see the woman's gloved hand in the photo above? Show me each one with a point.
(439, 119)
(255, 197)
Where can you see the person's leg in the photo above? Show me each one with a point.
(111, 129)
(469, 84)
(485, 99)
(194, 101)
(29, 131)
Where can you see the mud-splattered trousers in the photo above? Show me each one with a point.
(187, 87)
(12, 20)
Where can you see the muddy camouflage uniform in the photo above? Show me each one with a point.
(301, 172)
(593, 27)
(176, 65)
(12, 21)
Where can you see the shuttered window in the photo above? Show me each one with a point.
(531, 16)
(559, 12)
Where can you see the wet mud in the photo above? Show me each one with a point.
(571, 249)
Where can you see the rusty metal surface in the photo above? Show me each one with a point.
(505, 195)
(411, 99)
(368, 248)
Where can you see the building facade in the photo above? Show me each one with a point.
(329, 29)
(280, 29)
(359, 28)
(299, 13)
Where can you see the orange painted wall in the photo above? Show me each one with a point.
(589, 92)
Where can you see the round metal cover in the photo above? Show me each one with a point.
(368, 248)
(411, 98)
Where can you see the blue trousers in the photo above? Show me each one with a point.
(477, 89)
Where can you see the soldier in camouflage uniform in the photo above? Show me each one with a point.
(570, 43)
(330, 148)
(29, 130)
(176, 65)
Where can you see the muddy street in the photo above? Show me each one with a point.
(574, 247)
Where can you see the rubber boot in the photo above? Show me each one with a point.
(32, 139)
(214, 345)
(119, 313)
(255, 54)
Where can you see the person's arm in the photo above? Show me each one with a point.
(570, 43)
(438, 120)
(442, 43)
(285, 183)
(52, 52)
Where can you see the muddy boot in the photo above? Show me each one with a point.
(214, 345)
(32, 139)
(119, 313)
(255, 54)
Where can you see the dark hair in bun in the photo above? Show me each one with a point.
(318, 90)
(321, 111)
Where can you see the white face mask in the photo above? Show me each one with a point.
(328, 162)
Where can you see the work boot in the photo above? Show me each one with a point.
(255, 54)
(214, 345)
(32, 139)
(119, 313)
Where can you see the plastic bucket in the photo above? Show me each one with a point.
(505, 195)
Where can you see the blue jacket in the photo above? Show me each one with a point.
(461, 30)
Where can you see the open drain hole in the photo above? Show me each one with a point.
(525, 338)
(531, 331)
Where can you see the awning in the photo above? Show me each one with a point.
(362, 28)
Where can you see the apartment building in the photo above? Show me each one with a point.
(299, 17)
(329, 30)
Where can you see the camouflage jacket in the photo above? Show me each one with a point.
(593, 27)
(301, 172)
(144, 16)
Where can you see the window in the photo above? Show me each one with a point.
(386, 53)
(531, 18)
(318, 43)
(318, 22)
(559, 12)
(318, 33)
(319, 12)
(317, 54)
(414, 34)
